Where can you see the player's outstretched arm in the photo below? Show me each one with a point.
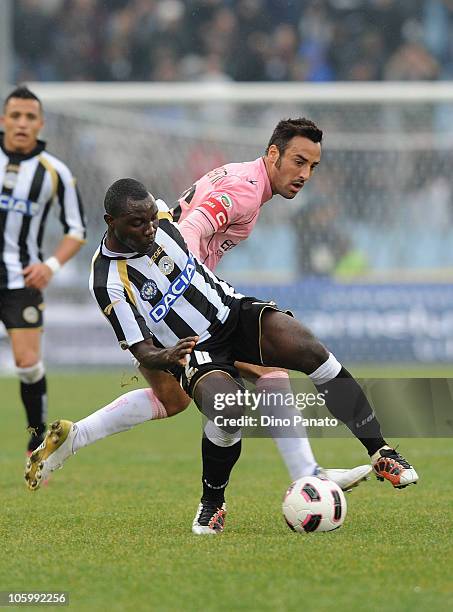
(156, 358)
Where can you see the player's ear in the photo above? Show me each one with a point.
(273, 153)
(108, 219)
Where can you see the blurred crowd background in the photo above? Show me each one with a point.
(384, 166)
(241, 40)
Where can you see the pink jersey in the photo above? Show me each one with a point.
(221, 209)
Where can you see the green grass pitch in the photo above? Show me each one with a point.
(113, 527)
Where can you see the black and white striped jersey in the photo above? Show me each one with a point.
(165, 295)
(30, 184)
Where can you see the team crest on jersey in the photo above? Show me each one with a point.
(148, 290)
(224, 198)
(166, 265)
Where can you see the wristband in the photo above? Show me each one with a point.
(53, 264)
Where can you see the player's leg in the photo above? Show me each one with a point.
(170, 393)
(293, 443)
(295, 447)
(165, 397)
(26, 346)
(287, 343)
(64, 438)
(220, 448)
(22, 316)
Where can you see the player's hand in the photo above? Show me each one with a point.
(37, 275)
(177, 355)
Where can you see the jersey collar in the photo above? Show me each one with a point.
(16, 158)
(112, 255)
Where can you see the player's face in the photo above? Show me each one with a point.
(136, 229)
(22, 123)
(289, 172)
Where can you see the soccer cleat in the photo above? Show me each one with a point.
(50, 455)
(209, 519)
(28, 454)
(390, 465)
(346, 479)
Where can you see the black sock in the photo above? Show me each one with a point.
(218, 461)
(34, 397)
(348, 403)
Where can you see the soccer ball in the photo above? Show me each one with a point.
(314, 504)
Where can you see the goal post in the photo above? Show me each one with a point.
(350, 93)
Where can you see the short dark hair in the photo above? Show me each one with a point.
(286, 129)
(23, 93)
(118, 194)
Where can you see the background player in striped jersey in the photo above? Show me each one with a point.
(31, 181)
(154, 292)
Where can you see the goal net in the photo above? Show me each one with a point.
(378, 209)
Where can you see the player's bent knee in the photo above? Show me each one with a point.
(174, 404)
(173, 408)
(218, 395)
(314, 355)
(167, 390)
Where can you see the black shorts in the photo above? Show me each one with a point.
(21, 308)
(240, 340)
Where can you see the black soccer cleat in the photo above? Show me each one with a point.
(210, 518)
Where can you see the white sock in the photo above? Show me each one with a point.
(327, 371)
(295, 450)
(122, 414)
(220, 437)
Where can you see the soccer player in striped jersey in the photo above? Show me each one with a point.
(31, 180)
(218, 212)
(176, 316)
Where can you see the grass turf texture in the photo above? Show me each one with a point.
(113, 527)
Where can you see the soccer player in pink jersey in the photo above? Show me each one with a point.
(219, 211)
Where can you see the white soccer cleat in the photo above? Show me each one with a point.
(51, 454)
(209, 519)
(346, 479)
